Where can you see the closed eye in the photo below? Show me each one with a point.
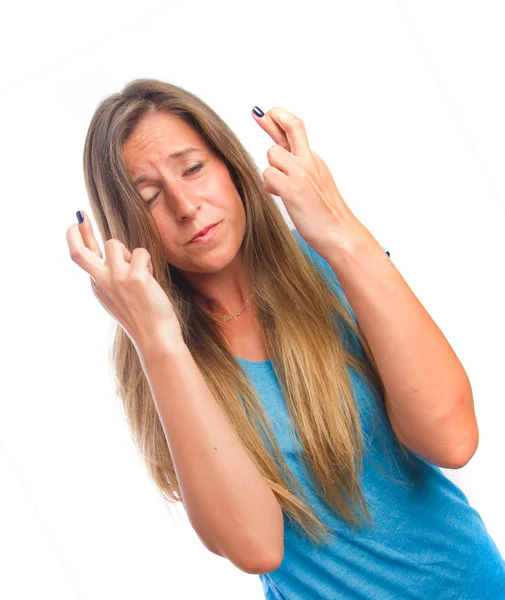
(190, 171)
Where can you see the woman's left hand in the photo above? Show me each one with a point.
(305, 185)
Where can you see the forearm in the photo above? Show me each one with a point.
(430, 399)
(228, 502)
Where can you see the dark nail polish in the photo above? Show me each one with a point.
(80, 217)
(387, 252)
(258, 112)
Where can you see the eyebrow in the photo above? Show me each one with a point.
(177, 154)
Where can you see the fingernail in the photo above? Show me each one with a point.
(80, 216)
(258, 112)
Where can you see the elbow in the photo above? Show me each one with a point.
(461, 435)
(459, 455)
(264, 555)
(261, 564)
(462, 460)
(256, 563)
(465, 453)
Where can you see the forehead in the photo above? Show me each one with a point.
(156, 137)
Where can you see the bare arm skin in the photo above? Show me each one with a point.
(229, 504)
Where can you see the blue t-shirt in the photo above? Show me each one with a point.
(426, 541)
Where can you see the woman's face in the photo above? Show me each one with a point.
(190, 191)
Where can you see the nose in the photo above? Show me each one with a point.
(184, 202)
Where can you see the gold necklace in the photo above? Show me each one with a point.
(230, 317)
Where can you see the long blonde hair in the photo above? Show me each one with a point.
(296, 309)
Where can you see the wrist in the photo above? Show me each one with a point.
(154, 350)
(347, 257)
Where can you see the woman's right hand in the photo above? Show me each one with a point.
(124, 284)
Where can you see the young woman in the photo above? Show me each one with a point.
(303, 428)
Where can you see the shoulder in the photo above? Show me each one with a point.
(317, 260)
(323, 267)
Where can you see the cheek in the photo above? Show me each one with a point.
(224, 183)
(230, 198)
(216, 191)
(168, 237)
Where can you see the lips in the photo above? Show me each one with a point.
(203, 231)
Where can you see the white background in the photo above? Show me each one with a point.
(404, 102)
